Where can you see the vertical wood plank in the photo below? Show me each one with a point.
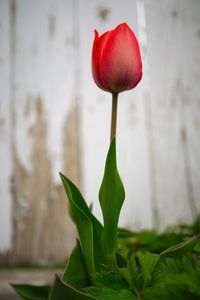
(132, 146)
(145, 95)
(190, 70)
(166, 49)
(5, 130)
(43, 96)
(53, 96)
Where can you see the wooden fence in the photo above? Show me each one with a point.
(53, 118)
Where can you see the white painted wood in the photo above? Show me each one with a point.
(46, 85)
(190, 72)
(165, 30)
(5, 129)
(44, 68)
(43, 97)
(132, 146)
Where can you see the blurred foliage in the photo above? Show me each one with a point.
(153, 241)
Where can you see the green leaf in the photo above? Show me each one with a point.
(84, 226)
(121, 260)
(89, 228)
(197, 246)
(125, 233)
(141, 267)
(180, 245)
(108, 279)
(134, 269)
(168, 292)
(111, 197)
(75, 273)
(63, 291)
(183, 286)
(111, 294)
(125, 274)
(148, 262)
(177, 279)
(109, 286)
(32, 292)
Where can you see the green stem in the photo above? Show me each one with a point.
(137, 294)
(181, 245)
(114, 116)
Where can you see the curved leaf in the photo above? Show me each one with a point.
(32, 292)
(62, 291)
(111, 197)
(83, 224)
(92, 240)
(181, 245)
(75, 273)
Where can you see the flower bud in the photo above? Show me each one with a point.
(116, 60)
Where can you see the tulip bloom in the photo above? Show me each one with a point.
(116, 60)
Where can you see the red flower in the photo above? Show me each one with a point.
(116, 60)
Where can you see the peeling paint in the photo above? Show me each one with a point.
(27, 107)
(198, 33)
(51, 25)
(2, 122)
(174, 14)
(103, 13)
(40, 206)
(13, 7)
(70, 147)
(183, 135)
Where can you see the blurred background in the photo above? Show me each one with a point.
(54, 118)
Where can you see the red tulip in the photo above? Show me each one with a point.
(116, 60)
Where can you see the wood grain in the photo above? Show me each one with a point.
(42, 97)
(166, 40)
(6, 159)
(54, 118)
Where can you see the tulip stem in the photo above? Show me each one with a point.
(114, 116)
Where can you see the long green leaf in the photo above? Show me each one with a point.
(62, 291)
(91, 235)
(83, 224)
(111, 197)
(75, 273)
(32, 292)
(181, 245)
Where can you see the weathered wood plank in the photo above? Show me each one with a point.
(54, 105)
(166, 50)
(5, 130)
(190, 70)
(43, 98)
(132, 146)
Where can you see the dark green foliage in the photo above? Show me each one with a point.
(149, 277)
(130, 241)
(197, 246)
(110, 286)
(63, 291)
(176, 279)
(75, 273)
(32, 292)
